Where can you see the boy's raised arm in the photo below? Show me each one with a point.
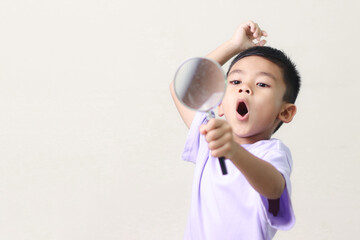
(242, 39)
(186, 113)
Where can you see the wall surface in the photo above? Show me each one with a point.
(90, 141)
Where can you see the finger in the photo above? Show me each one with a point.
(217, 153)
(258, 32)
(202, 129)
(214, 124)
(214, 134)
(220, 142)
(250, 25)
(213, 145)
(221, 151)
(261, 33)
(261, 43)
(205, 128)
(253, 27)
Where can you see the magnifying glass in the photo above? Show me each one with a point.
(200, 85)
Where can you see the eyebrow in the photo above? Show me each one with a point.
(235, 71)
(257, 74)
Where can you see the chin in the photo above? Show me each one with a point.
(251, 135)
(243, 134)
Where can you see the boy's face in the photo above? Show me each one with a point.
(254, 99)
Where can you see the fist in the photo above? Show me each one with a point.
(219, 136)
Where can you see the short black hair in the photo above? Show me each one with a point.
(290, 73)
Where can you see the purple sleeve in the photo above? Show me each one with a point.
(283, 218)
(192, 143)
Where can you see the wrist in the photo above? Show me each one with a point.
(234, 152)
(233, 47)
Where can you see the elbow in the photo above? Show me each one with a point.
(172, 90)
(276, 191)
(171, 86)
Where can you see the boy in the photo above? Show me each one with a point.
(253, 200)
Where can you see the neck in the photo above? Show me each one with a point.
(251, 139)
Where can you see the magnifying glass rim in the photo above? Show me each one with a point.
(199, 58)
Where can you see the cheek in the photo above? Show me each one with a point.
(268, 105)
(222, 106)
(279, 100)
(226, 100)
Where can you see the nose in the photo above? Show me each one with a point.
(245, 89)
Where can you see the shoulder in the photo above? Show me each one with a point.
(265, 147)
(194, 142)
(273, 151)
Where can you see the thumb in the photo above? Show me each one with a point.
(202, 129)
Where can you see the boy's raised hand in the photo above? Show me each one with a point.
(219, 136)
(245, 35)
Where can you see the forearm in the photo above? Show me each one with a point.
(224, 52)
(186, 113)
(261, 175)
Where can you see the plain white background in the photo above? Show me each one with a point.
(90, 141)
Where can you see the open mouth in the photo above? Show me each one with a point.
(242, 109)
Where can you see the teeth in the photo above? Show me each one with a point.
(242, 109)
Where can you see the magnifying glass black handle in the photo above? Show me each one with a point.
(222, 165)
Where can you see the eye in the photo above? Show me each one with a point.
(235, 82)
(263, 85)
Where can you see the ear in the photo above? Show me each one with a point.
(220, 110)
(287, 112)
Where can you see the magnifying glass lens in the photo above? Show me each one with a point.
(200, 85)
